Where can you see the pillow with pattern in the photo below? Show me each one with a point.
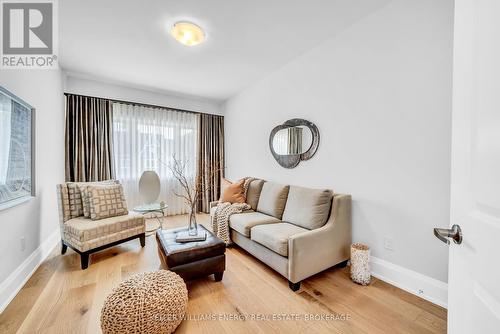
(75, 196)
(106, 201)
(84, 193)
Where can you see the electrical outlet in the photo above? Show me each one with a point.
(23, 244)
(388, 243)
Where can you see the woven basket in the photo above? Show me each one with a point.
(360, 264)
(152, 302)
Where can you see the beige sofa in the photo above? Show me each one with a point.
(296, 231)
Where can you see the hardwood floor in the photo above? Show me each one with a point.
(61, 298)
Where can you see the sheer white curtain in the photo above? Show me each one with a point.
(146, 138)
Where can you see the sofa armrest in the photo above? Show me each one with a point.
(314, 251)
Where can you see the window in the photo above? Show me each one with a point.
(16, 135)
(146, 138)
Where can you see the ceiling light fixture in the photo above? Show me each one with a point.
(187, 33)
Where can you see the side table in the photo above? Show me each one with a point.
(153, 208)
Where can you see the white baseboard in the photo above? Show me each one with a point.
(16, 280)
(420, 285)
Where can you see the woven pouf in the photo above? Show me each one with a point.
(152, 302)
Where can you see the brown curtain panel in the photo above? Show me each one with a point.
(88, 139)
(210, 158)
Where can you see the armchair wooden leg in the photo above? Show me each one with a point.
(142, 238)
(84, 259)
(64, 248)
(294, 286)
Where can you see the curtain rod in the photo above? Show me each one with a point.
(146, 105)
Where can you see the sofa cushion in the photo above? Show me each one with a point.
(253, 193)
(275, 236)
(243, 222)
(84, 229)
(308, 208)
(273, 199)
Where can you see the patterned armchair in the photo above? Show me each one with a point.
(86, 236)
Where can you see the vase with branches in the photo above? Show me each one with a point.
(192, 189)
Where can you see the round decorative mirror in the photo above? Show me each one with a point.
(293, 141)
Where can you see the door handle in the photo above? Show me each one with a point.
(443, 234)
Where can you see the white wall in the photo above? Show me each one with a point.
(380, 93)
(37, 219)
(84, 86)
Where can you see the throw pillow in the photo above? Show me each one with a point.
(106, 201)
(75, 196)
(224, 183)
(75, 200)
(232, 192)
(84, 194)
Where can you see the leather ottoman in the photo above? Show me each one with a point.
(192, 259)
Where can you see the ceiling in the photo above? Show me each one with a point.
(128, 40)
